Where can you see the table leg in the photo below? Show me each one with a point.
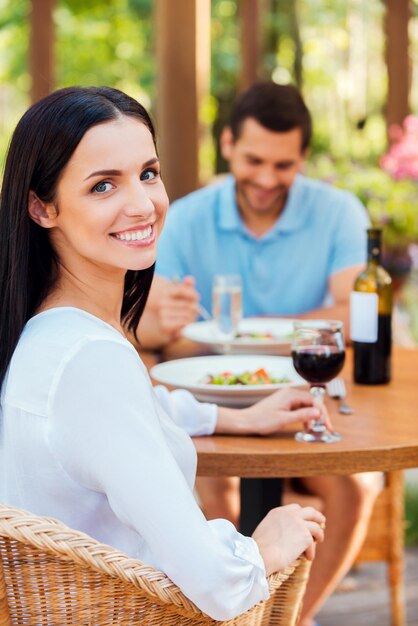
(258, 496)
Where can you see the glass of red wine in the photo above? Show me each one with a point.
(318, 355)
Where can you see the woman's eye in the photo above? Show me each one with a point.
(102, 187)
(149, 174)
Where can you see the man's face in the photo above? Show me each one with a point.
(264, 164)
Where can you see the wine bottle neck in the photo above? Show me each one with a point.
(374, 252)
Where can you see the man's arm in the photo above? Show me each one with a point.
(340, 285)
(170, 307)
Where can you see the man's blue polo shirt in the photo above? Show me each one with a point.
(321, 230)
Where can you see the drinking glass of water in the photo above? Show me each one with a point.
(227, 304)
(318, 354)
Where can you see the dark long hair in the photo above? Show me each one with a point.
(41, 146)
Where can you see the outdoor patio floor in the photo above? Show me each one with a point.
(367, 601)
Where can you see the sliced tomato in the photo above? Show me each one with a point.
(261, 373)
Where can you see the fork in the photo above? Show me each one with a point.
(204, 313)
(336, 389)
(176, 280)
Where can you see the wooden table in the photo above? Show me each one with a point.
(381, 434)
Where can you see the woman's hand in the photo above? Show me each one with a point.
(286, 532)
(271, 414)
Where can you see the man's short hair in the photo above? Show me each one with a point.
(279, 108)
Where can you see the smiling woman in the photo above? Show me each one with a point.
(105, 220)
(81, 210)
(58, 144)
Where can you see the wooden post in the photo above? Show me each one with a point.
(41, 48)
(396, 574)
(397, 60)
(183, 61)
(250, 11)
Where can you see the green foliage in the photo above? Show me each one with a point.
(225, 64)
(321, 45)
(391, 204)
(411, 515)
(333, 48)
(225, 48)
(344, 75)
(106, 43)
(14, 76)
(99, 42)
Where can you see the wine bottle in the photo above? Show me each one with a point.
(371, 317)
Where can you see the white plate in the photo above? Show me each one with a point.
(281, 330)
(188, 374)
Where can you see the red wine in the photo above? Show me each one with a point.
(318, 364)
(372, 361)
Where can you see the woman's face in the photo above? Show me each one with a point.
(111, 202)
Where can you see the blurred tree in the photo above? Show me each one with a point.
(225, 67)
(333, 49)
(283, 44)
(107, 43)
(14, 76)
(98, 42)
(42, 48)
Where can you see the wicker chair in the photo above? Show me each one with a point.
(384, 540)
(51, 575)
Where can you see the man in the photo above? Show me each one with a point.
(298, 245)
(297, 242)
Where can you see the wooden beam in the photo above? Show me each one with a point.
(398, 13)
(41, 48)
(250, 18)
(183, 61)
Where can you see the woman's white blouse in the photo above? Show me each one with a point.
(86, 439)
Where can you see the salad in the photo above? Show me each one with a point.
(241, 335)
(257, 377)
(262, 336)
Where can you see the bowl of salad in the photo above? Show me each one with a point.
(229, 380)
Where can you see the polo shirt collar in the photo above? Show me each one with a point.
(291, 219)
(229, 217)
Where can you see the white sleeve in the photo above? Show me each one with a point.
(108, 438)
(196, 418)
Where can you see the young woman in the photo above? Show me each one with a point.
(83, 435)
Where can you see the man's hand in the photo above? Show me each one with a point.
(178, 306)
(170, 307)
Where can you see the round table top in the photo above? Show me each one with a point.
(381, 434)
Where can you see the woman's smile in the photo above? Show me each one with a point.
(137, 237)
(111, 200)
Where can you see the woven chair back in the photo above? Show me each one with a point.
(51, 575)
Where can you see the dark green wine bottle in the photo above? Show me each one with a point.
(371, 317)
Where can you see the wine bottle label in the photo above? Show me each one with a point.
(364, 316)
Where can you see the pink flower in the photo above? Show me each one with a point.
(410, 124)
(401, 160)
(395, 132)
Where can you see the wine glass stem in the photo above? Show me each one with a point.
(318, 396)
